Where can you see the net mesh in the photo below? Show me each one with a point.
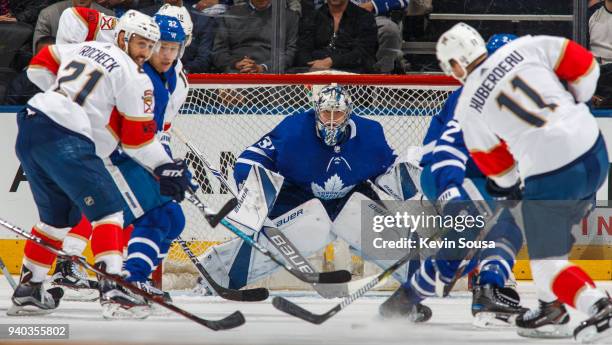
(221, 120)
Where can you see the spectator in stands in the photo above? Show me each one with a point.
(339, 35)
(243, 42)
(600, 42)
(21, 89)
(23, 11)
(48, 20)
(198, 56)
(389, 15)
(121, 6)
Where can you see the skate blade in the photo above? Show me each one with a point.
(489, 320)
(547, 332)
(590, 335)
(115, 311)
(79, 295)
(27, 310)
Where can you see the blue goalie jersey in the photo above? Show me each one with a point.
(294, 150)
(445, 154)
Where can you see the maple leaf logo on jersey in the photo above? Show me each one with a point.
(333, 188)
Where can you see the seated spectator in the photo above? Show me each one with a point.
(339, 35)
(600, 42)
(21, 89)
(48, 20)
(121, 6)
(23, 11)
(243, 43)
(198, 56)
(389, 15)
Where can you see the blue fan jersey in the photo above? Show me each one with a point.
(445, 153)
(294, 150)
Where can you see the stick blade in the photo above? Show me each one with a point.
(335, 277)
(224, 211)
(231, 321)
(293, 309)
(250, 295)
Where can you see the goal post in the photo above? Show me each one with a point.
(226, 113)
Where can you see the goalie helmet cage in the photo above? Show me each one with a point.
(226, 113)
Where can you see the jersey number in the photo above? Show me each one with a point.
(504, 100)
(453, 127)
(79, 68)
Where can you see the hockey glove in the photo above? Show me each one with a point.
(512, 194)
(173, 181)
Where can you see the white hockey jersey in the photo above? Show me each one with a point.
(515, 108)
(96, 89)
(80, 24)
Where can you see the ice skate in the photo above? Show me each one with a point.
(401, 305)
(597, 326)
(549, 320)
(31, 298)
(492, 306)
(73, 279)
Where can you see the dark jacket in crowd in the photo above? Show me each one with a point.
(244, 31)
(352, 48)
(27, 11)
(198, 56)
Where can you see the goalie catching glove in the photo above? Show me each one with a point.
(173, 179)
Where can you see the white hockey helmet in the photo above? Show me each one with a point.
(461, 43)
(136, 23)
(183, 16)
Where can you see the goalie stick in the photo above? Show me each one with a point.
(341, 276)
(7, 274)
(249, 295)
(231, 321)
(293, 309)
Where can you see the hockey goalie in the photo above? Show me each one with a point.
(309, 175)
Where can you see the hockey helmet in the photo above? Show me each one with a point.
(137, 23)
(333, 108)
(183, 16)
(461, 43)
(171, 30)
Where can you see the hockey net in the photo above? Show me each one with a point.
(224, 114)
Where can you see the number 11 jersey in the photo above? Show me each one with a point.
(524, 104)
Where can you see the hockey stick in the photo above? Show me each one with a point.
(7, 275)
(469, 255)
(294, 258)
(291, 308)
(250, 295)
(234, 320)
(341, 276)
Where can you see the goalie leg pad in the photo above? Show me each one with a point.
(347, 226)
(234, 264)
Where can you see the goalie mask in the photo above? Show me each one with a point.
(333, 110)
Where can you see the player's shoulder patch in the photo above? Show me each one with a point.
(108, 23)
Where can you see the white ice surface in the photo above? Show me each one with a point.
(355, 325)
